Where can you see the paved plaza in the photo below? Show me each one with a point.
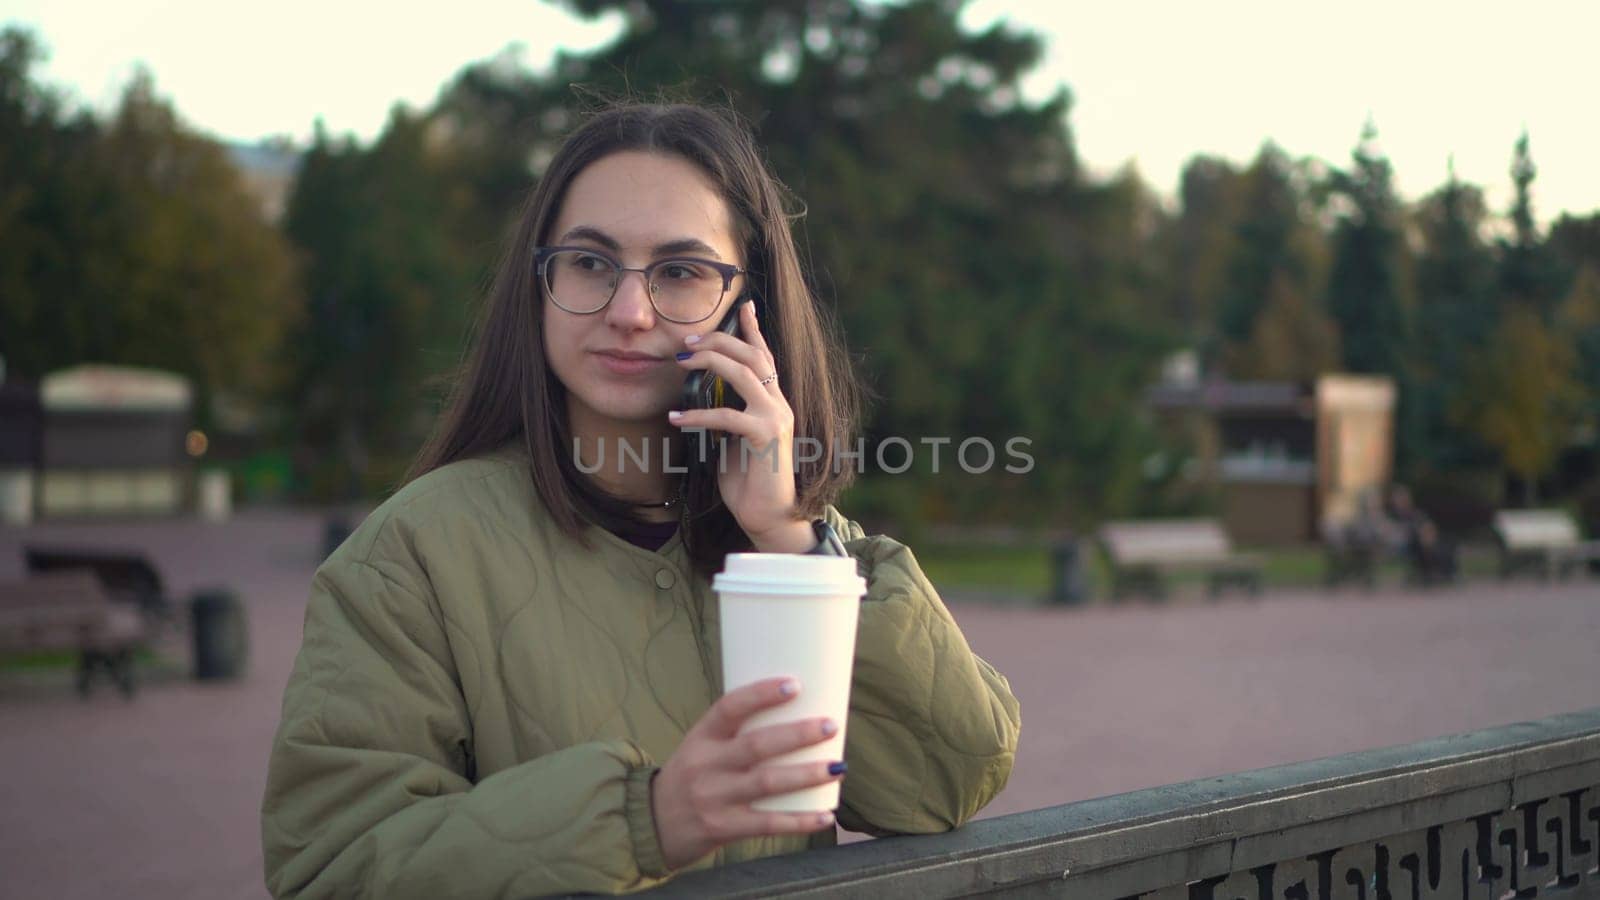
(159, 797)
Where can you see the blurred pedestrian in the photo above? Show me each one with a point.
(1432, 556)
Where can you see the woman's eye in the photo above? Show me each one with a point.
(682, 271)
(591, 263)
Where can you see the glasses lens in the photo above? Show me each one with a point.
(579, 282)
(685, 290)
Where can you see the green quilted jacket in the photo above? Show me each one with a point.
(479, 704)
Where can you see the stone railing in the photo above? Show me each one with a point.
(1510, 812)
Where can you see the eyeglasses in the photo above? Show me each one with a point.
(682, 289)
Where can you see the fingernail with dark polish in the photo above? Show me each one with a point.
(837, 768)
(684, 356)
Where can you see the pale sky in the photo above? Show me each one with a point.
(1154, 83)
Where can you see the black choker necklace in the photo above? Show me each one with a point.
(677, 499)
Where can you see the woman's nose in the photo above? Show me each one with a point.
(630, 303)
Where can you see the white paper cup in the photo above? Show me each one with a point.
(786, 614)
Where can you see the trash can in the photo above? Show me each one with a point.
(221, 642)
(335, 531)
(1069, 580)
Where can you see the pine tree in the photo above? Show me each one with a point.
(1369, 289)
(1197, 244)
(389, 283)
(1368, 294)
(1455, 314)
(1530, 275)
(1273, 257)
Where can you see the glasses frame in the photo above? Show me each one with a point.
(541, 256)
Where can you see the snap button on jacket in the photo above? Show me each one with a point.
(479, 703)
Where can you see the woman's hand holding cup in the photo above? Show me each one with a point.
(701, 798)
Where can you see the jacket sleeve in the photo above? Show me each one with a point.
(370, 791)
(933, 729)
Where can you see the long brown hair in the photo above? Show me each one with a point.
(506, 391)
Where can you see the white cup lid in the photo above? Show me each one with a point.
(789, 574)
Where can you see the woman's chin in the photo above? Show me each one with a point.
(629, 401)
(635, 411)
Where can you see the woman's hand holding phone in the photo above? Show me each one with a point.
(757, 480)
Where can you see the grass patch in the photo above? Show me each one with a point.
(41, 659)
(1025, 568)
(1290, 566)
(1009, 568)
(44, 660)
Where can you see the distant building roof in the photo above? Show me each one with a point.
(117, 388)
(1234, 397)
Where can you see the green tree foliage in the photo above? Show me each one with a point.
(48, 194)
(389, 280)
(1456, 313)
(1530, 274)
(1370, 293)
(1292, 339)
(1368, 290)
(1529, 390)
(1245, 264)
(1198, 243)
(1579, 316)
(1275, 251)
(1522, 397)
(132, 242)
(205, 286)
(1575, 240)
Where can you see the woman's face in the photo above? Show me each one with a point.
(635, 207)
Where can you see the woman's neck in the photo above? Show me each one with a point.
(630, 460)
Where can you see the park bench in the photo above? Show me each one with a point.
(72, 611)
(127, 576)
(1144, 554)
(1544, 539)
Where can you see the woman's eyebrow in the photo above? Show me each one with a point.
(685, 245)
(585, 233)
(669, 248)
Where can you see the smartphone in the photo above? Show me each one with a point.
(704, 389)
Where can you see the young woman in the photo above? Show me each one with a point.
(510, 680)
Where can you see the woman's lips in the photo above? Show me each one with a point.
(620, 366)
